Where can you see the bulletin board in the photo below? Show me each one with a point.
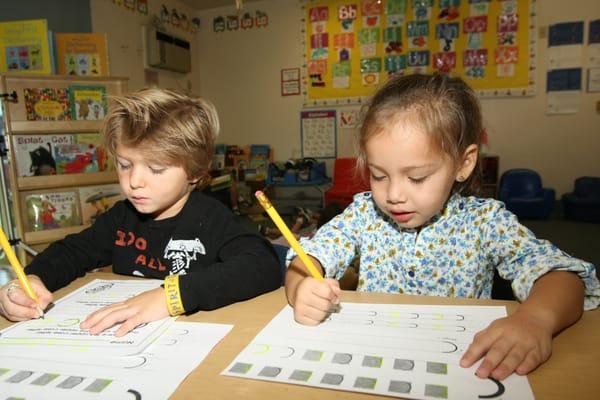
(351, 46)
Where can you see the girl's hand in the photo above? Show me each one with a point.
(146, 307)
(16, 305)
(315, 300)
(517, 343)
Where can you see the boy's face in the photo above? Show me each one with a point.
(410, 180)
(153, 188)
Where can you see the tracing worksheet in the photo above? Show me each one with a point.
(153, 374)
(60, 326)
(409, 351)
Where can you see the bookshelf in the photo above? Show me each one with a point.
(17, 125)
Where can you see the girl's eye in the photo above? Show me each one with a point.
(418, 180)
(377, 178)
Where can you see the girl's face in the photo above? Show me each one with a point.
(410, 179)
(153, 188)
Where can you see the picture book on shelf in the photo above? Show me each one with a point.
(47, 104)
(82, 54)
(88, 102)
(96, 200)
(34, 154)
(75, 158)
(25, 47)
(104, 160)
(52, 210)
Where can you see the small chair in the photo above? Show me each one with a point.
(522, 192)
(346, 183)
(583, 204)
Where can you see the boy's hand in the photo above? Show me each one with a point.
(315, 300)
(146, 307)
(16, 305)
(517, 343)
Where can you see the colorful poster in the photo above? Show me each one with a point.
(351, 48)
(24, 47)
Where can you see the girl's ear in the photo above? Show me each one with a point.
(467, 165)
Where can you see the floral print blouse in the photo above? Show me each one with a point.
(453, 255)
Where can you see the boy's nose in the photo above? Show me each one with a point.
(136, 178)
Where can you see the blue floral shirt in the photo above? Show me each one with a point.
(453, 255)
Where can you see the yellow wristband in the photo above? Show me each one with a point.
(173, 295)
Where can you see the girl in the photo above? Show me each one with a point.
(420, 232)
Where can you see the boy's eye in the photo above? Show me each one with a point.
(418, 180)
(157, 170)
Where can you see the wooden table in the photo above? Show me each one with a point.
(573, 371)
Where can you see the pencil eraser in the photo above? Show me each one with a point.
(258, 193)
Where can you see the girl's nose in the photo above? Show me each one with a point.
(396, 192)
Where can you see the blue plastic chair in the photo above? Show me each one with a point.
(522, 192)
(583, 204)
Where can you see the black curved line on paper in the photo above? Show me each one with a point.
(460, 317)
(135, 394)
(143, 361)
(499, 391)
(451, 344)
(460, 328)
(292, 351)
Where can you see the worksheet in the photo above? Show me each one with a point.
(155, 373)
(408, 351)
(59, 333)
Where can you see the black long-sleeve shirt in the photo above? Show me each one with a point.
(218, 261)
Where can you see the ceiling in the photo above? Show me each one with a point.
(206, 4)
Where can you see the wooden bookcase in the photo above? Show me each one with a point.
(16, 124)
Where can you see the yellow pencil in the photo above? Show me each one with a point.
(287, 234)
(16, 266)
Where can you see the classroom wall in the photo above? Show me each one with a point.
(125, 48)
(240, 72)
(77, 19)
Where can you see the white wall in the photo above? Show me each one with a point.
(240, 70)
(125, 52)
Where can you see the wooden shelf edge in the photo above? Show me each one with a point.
(51, 235)
(70, 78)
(54, 127)
(66, 180)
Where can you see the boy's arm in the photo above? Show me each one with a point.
(67, 259)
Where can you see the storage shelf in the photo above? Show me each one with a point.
(50, 235)
(66, 180)
(54, 127)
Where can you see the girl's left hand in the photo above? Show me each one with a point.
(146, 307)
(517, 343)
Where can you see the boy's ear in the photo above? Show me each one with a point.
(469, 160)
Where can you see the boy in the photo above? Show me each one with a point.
(162, 142)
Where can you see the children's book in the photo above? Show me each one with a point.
(75, 158)
(88, 102)
(24, 47)
(47, 104)
(96, 200)
(52, 210)
(105, 161)
(34, 154)
(81, 54)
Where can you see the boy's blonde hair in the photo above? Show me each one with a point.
(445, 108)
(165, 126)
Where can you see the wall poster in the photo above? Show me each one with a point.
(318, 131)
(351, 46)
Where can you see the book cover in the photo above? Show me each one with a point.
(105, 161)
(96, 200)
(75, 158)
(88, 102)
(24, 47)
(82, 54)
(34, 154)
(52, 210)
(47, 104)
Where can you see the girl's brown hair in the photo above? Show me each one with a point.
(445, 108)
(165, 126)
